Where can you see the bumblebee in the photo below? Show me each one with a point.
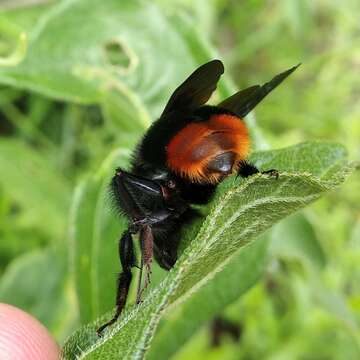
(178, 163)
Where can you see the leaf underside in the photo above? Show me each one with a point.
(241, 210)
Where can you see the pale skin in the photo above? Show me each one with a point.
(22, 337)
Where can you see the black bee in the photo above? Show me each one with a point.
(181, 159)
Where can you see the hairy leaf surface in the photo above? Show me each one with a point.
(241, 210)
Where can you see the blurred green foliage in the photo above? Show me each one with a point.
(70, 109)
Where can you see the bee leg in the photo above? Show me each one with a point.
(127, 259)
(166, 254)
(272, 173)
(167, 240)
(147, 244)
(247, 169)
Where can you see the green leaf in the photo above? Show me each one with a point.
(241, 210)
(94, 232)
(79, 67)
(181, 322)
(335, 303)
(35, 282)
(15, 35)
(35, 183)
(23, 17)
(295, 237)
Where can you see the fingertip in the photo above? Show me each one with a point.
(23, 337)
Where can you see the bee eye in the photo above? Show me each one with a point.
(171, 184)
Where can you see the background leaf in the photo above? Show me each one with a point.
(94, 235)
(296, 237)
(85, 72)
(34, 183)
(44, 271)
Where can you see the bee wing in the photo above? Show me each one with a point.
(242, 102)
(197, 88)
